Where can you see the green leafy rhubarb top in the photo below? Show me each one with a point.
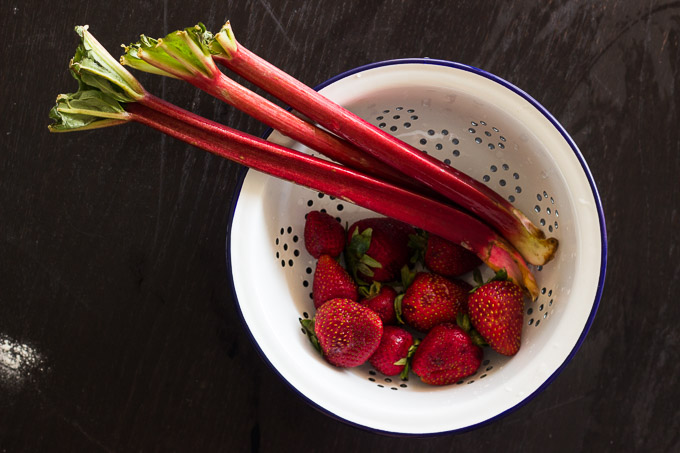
(224, 42)
(88, 108)
(181, 54)
(103, 84)
(99, 69)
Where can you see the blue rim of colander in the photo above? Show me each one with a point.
(600, 212)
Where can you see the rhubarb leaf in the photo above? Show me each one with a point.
(181, 54)
(133, 58)
(86, 109)
(97, 68)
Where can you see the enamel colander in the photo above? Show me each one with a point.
(496, 133)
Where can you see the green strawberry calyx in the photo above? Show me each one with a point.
(397, 308)
(370, 291)
(407, 277)
(406, 361)
(499, 276)
(308, 326)
(464, 323)
(357, 259)
(418, 243)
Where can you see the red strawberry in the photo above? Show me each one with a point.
(432, 299)
(380, 299)
(346, 332)
(332, 281)
(377, 248)
(447, 258)
(441, 256)
(393, 348)
(496, 310)
(446, 355)
(324, 235)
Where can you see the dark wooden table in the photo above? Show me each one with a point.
(118, 331)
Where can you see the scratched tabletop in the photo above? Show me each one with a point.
(119, 331)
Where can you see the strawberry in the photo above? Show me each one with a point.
(380, 299)
(324, 235)
(496, 310)
(345, 332)
(377, 248)
(332, 281)
(441, 256)
(391, 357)
(432, 299)
(446, 355)
(447, 258)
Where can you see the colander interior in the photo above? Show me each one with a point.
(486, 128)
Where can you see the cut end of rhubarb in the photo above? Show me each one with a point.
(541, 251)
(531, 241)
(535, 250)
(553, 244)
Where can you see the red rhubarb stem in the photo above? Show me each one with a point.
(442, 178)
(214, 82)
(346, 184)
(290, 125)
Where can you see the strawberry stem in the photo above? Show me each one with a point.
(397, 308)
(407, 277)
(308, 326)
(406, 361)
(370, 291)
(418, 243)
(463, 321)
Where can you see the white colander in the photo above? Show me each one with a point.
(496, 133)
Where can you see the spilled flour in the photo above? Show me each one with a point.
(17, 362)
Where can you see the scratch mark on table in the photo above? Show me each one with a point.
(644, 17)
(87, 435)
(665, 40)
(279, 26)
(562, 404)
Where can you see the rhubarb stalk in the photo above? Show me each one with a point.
(110, 96)
(185, 54)
(462, 189)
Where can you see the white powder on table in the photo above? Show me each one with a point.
(17, 361)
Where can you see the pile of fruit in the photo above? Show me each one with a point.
(380, 284)
(392, 295)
